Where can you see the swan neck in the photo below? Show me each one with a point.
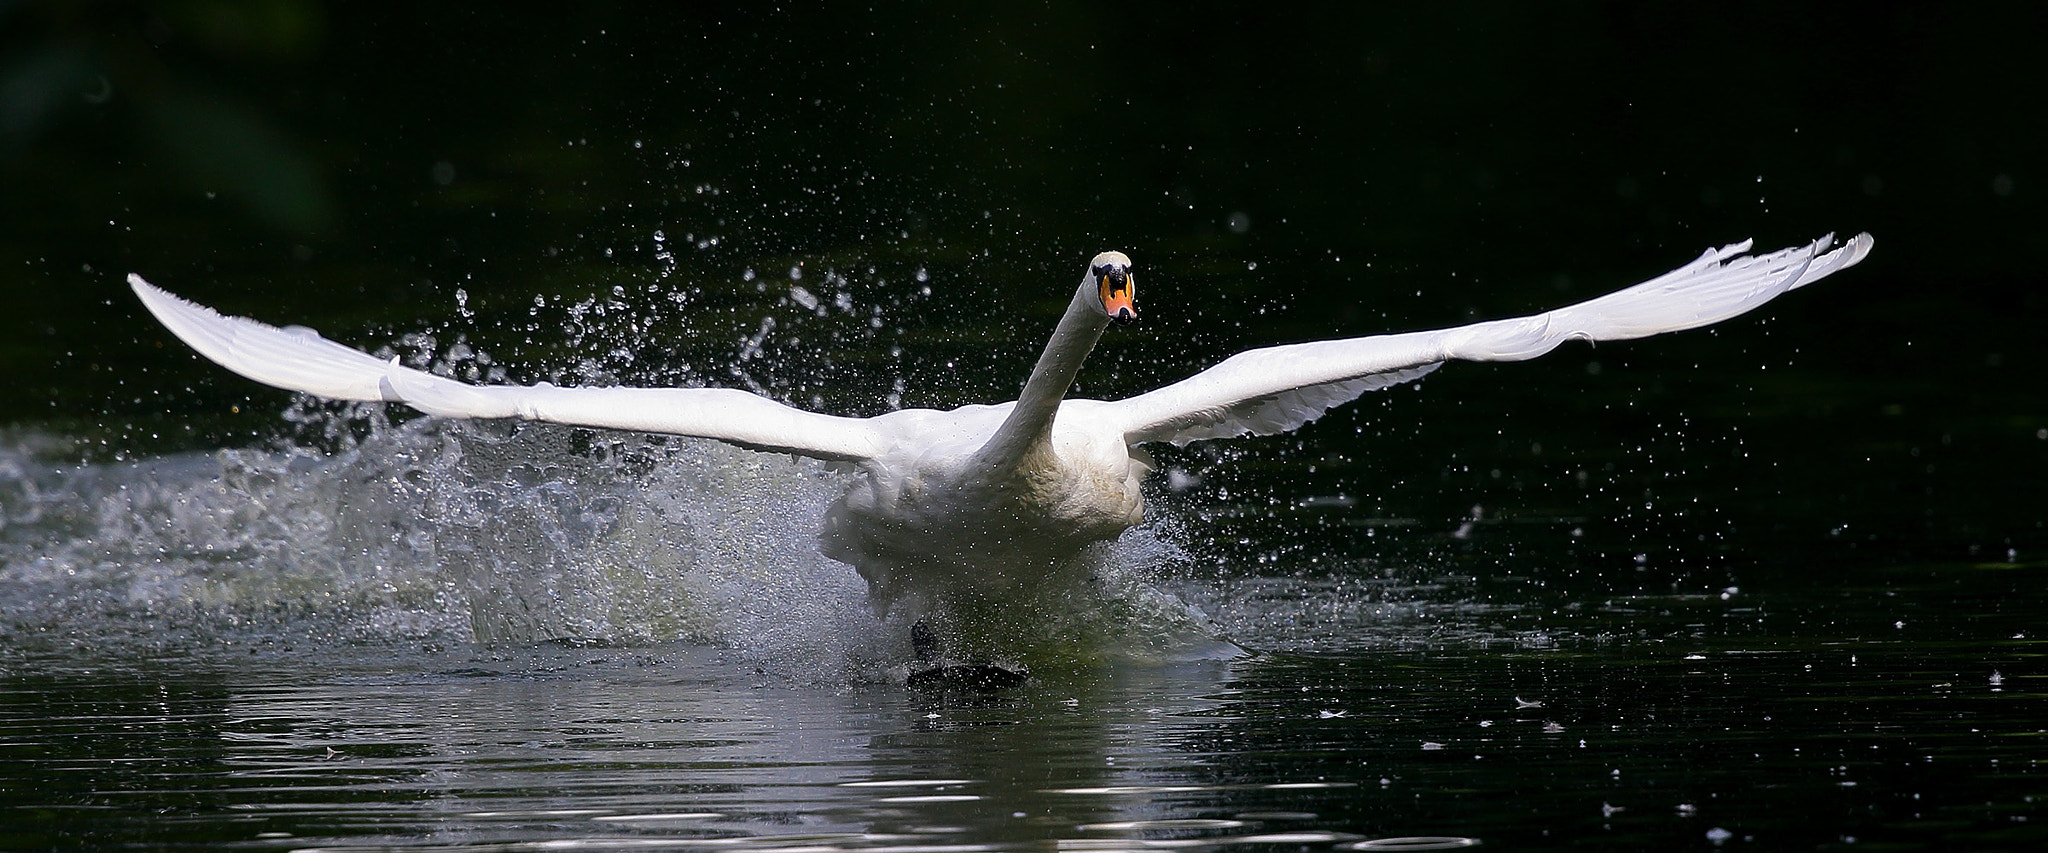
(1030, 422)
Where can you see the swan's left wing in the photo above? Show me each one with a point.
(298, 359)
(1277, 389)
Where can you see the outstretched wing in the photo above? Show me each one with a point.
(296, 358)
(1277, 389)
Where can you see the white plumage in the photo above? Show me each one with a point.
(982, 501)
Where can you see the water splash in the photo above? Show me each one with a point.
(356, 528)
(496, 532)
(493, 532)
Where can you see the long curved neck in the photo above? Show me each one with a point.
(1030, 422)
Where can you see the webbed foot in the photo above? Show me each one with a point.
(930, 671)
(949, 675)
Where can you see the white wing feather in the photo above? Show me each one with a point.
(298, 359)
(1277, 389)
(295, 357)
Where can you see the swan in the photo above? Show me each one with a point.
(947, 511)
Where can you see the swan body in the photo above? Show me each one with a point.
(989, 503)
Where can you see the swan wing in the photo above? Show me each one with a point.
(1277, 389)
(298, 359)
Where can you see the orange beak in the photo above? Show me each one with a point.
(1119, 292)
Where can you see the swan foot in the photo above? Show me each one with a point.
(924, 645)
(930, 671)
(953, 675)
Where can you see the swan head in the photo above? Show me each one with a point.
(1110, 275)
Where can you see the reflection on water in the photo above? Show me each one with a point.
(1690, 736)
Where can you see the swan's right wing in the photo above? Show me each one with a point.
(298, 359)
(1278, 389)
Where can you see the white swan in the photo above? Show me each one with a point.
(988, 502)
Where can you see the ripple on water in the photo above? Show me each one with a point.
(1169, 823)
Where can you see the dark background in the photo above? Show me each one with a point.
(1779, 576)
(381, 169)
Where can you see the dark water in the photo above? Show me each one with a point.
(1774, 585)
(1690, 720)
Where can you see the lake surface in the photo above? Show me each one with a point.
(1774, 585)
(282, 651)
(1689, 737)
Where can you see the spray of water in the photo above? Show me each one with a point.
(355, 527)
(486, 532)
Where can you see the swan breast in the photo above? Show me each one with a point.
(926, 512)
